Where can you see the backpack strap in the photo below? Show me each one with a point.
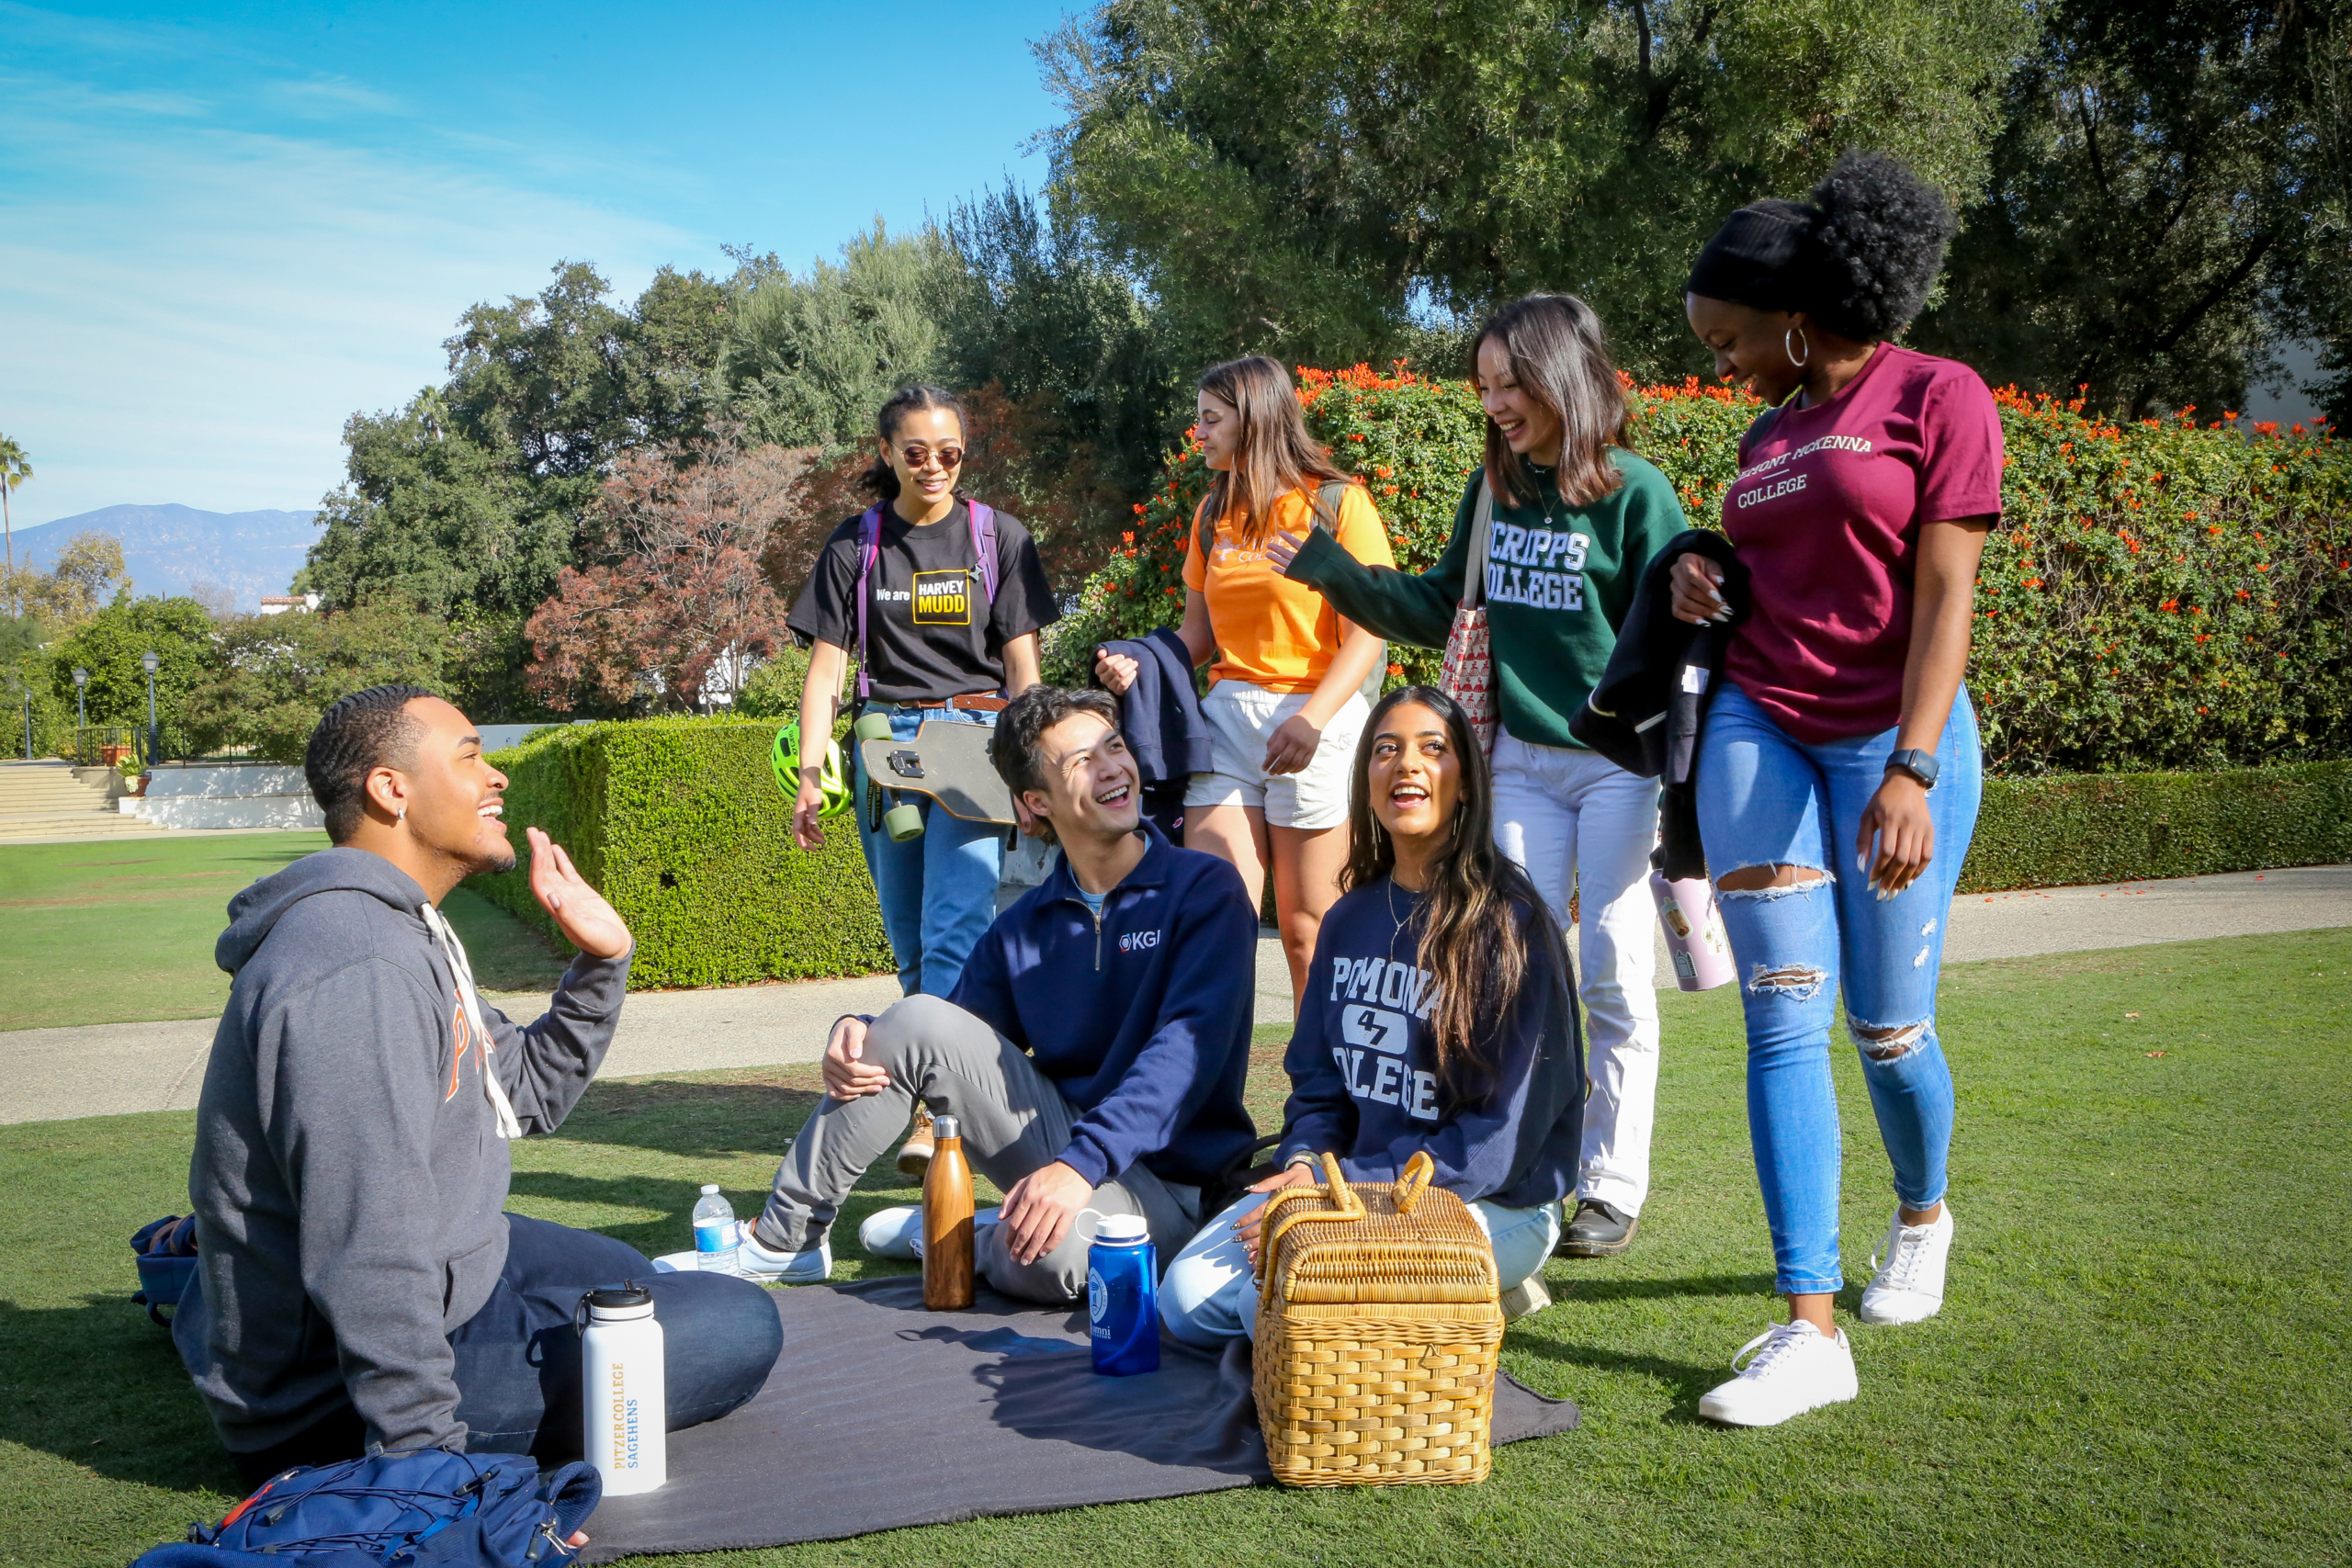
(1327, 506)
(984, 545)
(869, 551)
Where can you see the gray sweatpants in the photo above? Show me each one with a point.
(1014, 1122)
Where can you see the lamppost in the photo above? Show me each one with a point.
(81, 711)
(26, 688)
(147, 662)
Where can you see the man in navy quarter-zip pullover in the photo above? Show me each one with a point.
(1092, 1054)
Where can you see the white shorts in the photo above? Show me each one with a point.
(1242, 718)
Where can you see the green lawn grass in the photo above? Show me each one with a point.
(2142, 1359)
(121, 932)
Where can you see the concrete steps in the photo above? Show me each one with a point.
(48, 800)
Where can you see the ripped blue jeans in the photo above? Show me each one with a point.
(1766, 799)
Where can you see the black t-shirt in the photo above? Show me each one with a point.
(930, 630)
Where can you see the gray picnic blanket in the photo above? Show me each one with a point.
(880, 1415)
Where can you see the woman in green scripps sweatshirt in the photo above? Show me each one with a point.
(1576, 516)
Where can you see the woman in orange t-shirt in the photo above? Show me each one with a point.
(1286, 703)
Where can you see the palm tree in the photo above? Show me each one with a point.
(14, 471)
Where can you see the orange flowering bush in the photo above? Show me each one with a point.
(2164, 594)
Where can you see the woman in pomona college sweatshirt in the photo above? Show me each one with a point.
(1439, 1016)
(1576, 518)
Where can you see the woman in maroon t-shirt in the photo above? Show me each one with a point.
(1861, 507)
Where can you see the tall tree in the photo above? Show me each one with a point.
(14, 471)
(2167, 200)
(468, 503)
(1312, 181)
(676, 608)
(275, 675)
(806, 360)
(1091, 390)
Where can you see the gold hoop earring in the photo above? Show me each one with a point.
(1797, 332)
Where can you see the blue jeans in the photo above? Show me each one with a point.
(1766, 799)
(1207, 1294)
(938, 892)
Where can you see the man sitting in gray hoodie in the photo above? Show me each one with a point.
(360, 1283)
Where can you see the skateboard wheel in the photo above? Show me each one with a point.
(903, 822)
(872, 727)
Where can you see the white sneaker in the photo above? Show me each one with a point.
(1796, 1368)
(756, 1263)
(1910, 1287)
(1525, 1298)
(897, 1233)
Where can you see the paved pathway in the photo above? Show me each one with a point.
(105, 1069)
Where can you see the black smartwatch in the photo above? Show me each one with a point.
(1920, 766)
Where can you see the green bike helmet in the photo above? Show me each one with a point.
(783, 757)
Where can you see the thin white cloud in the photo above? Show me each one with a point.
(192, 311)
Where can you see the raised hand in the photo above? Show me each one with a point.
(580, 913)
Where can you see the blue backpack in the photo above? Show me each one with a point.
(410, 1508)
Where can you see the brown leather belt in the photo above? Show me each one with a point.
(974, 702)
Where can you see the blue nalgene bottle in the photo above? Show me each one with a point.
(1121, 1298)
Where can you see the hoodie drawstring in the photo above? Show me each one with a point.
(469, 998)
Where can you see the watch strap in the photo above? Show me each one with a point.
(1920, 766)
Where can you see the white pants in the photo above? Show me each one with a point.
(1576, 821)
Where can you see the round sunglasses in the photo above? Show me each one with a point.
(919, 455)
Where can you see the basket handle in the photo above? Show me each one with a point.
(1335, 1191)
(1413, 1182)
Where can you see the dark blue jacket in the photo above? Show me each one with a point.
(1363, 1069)
(1141, 1017)
(1161, 716)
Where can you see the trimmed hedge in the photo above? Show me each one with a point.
(678, 821)
(2068, 831)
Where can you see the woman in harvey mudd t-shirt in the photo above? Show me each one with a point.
(1839, 770)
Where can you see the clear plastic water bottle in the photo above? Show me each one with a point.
(716, 1244)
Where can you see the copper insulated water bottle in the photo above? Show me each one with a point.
(947, 1220)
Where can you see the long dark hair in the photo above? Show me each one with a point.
(881, 480)
(1471, 937)
(1559, 353)
(1275, 457)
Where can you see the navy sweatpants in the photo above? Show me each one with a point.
(518, 1357)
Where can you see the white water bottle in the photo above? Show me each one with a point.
(624, 1389)
(715, 1241)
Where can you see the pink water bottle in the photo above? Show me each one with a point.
(1694, 932)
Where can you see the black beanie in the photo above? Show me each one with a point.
(1752, 259)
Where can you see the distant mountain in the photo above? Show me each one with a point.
(169, 550)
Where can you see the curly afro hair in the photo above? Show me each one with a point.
(1875, 246)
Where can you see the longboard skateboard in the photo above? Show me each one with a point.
(946, 760)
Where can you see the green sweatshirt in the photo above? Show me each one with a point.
(1559, 580)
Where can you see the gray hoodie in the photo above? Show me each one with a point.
(349, 1180)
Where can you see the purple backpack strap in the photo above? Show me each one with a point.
(984, 546)
(869, 550)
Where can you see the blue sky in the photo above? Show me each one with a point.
(225, 228)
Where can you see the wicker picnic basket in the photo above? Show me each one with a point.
(1378, 1328)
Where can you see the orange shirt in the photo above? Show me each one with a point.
(1270, 631)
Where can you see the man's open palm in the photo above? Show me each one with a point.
(587, 921)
